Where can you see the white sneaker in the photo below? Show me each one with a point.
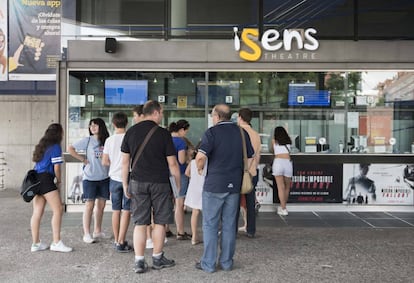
(282, 212)
(242, 229)
(279, 210)
(60, 247)
(100, 235)
(88, 239)
(39, 247)
(149, 244)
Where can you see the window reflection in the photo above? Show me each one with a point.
(363, 111)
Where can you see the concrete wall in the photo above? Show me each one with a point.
(23, 121)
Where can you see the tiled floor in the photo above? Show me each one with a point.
(339, 219)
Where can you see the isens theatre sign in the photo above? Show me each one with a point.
(297, 44)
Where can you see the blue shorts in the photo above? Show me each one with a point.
(184, 186)
(95, 189)
(119, 201)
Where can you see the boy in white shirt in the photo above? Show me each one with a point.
(120, 204)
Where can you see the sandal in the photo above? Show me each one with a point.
(184, 236)
(196, 242)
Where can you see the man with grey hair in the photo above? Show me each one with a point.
(222, 146)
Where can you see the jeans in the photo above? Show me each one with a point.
(250, 208)
(118, 198)
(219, 207)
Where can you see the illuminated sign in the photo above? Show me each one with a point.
(270, 42)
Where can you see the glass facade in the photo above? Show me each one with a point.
(334, 19)
(356, 112)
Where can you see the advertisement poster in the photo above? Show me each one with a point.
(371, 184)
(316, 183)
(3, 41)
(264, 187)
(74, 183)
(34, 44)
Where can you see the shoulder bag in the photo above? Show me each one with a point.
(247, 184)
(30, 186)
(141, 148)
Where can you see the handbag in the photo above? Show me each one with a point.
(247, 184)
(30, 186)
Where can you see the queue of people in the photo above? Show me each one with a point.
(135, 167)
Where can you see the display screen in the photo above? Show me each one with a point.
(306, 94)
(126, 92)
(226, 92)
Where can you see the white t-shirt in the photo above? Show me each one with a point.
(113, 149)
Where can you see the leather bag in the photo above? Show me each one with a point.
(247, 184)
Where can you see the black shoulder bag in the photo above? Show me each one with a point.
(30, 186)
(141, 148)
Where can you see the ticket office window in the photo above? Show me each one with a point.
(366, 112)
(94, 94)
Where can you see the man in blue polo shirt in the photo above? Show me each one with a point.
(222, 146)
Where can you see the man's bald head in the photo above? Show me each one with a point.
(222, 111)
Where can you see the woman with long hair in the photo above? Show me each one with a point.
(178, 132)
(48, 158)
(282, 167)
(95, 177)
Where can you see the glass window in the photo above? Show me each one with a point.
(364, 112)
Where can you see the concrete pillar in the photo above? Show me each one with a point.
(178, 17)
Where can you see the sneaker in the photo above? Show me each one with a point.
(282, 212)
(159, 263)
(88, 239)
(114, 244)
(124, 247)
(60, 247)
(39, 247)
(149, 244)
(100, 235)
(140, 266)
(242, 229)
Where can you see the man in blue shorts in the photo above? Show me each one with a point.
(149, 186)
(222, 146)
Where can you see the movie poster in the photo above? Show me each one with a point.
(3, 40)
(34, 39)
(372, 184)
(74, 187)
(316, 183)
(264, 187)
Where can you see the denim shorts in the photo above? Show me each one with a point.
(151, 197)
(184, 186)
(119, 201)
(95, 189)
